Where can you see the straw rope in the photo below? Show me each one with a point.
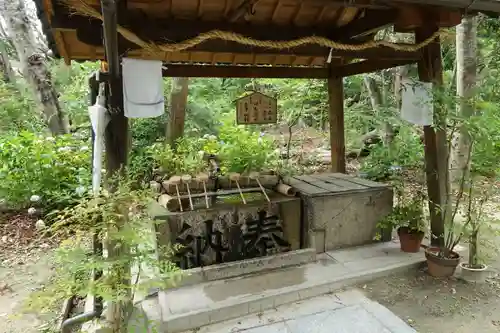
(81, 8)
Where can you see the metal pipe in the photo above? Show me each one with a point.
(80, 319)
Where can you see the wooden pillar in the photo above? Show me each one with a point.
(336, 115)
(116, 135)
(116, 141)
(430, 70)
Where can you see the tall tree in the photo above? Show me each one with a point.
(466, 40)
(8, 72)
(376, 99)
(177, 114)
(34, 69)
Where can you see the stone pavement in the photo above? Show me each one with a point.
(194, 306)
(349, 311)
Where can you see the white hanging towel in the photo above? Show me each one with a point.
(142, 88)
(417, 105)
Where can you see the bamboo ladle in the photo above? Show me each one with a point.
(176, 180)
(203, 178)
(186, 179)
(235, 177)
(255, 175)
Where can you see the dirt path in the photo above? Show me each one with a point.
(439, 306)
(25, 265)
(18, 279)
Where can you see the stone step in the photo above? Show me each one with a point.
(197, 305)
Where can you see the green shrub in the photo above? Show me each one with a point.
(405, 151)
(17, 110)
(55, 169)
(238, 148)
(242, 150)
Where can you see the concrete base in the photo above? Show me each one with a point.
(195, 306)
(245, 267)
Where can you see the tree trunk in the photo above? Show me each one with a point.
(466, 81)
(178, 103)
(8, 72)
(33, 66)
(400, 73)
(376, 102)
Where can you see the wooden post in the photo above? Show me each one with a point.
(116, 141)
(337, 141)
(116, 136)
(436, 153)
(177, 114)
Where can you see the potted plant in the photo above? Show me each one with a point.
(407, 217)
(411, 230)
(442, 261)
(475, 269)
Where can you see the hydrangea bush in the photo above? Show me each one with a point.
(238, 148)
(54, 172)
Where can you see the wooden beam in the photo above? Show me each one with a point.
(372, 21)
(90, 37)
(228, 71)
(430, 70)
(244, 7)
(176, 30)
(336, 108)
(159, 31)
(367, 66)
(224, 71)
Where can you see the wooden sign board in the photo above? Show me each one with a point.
(256, 108)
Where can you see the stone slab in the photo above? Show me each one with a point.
(367, 251)
(349, 311)
(352, 319)
(221, 300)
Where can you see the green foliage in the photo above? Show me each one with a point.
(408, 211)
(406, 150)
(484, 127)
(238, 149)
(119, 217)
(244, 151)
(145, 134)
(299, 99)
(17, 110)
(187, 158)
(72, 85)
(55, 169)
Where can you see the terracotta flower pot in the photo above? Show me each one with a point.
(439, 266)
(410, 241)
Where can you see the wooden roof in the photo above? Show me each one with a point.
(76, 37)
